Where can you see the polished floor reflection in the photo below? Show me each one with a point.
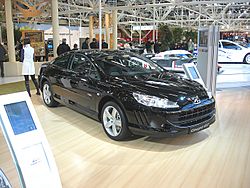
(86, 157)
(233, 75)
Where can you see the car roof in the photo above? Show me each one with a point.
(175, 52)
(172, 52)
(96, 54)
(232, 43)
(224, 40)
(163, 58)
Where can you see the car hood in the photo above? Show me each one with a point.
(170, 86)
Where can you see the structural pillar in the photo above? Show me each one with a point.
(69, 33)
(10, 31)
(114, 20)
(91, 27)
(107, 28)
(55, 24)
(154, 23)
(100, 24)
(80, 29)
(69, 27)
(140, 33)
(156, 32)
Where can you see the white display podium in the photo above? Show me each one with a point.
(27, 143)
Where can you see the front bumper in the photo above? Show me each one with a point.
(169, 124)
(174, 130)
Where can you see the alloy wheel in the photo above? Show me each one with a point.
(112, 121)
(46, 94)
(247, 58)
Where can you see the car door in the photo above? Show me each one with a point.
(222, 55)
(59, 77)
(83, 80)
(233, 51)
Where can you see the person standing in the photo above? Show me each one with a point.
(94, 44)
(75, 47)
(156, 47)
(28, 69)
(62, 48)
(85, 44)
(246, 38)
(46, 51)
(148, 47)
(104, 45)
(190, 46)
(2, 58)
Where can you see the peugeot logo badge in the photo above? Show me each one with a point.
(197, 100)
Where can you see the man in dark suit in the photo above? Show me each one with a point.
(94, 44)
(85, 44)
(104, 45)
(62, 48)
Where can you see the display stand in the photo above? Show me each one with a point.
(192, 73)
(208, 39)
(27, 143)
(4, 182)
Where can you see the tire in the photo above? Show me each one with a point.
(247, 58)
(48, 98)
(114, 122)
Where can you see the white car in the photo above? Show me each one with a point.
(174, 53)
(173, 59)
(232, 52)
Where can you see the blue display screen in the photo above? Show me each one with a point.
(20, 117)
(193, 72)
(50, 46)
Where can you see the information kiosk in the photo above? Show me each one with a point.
(192, 73)
(27, 143)
(208, 39)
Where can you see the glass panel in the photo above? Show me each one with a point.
(20, 117)
(62, 62)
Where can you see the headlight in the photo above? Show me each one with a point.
(153, 101)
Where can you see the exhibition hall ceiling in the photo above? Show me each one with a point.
(187, 13)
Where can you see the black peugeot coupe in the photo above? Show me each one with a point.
(128, 93)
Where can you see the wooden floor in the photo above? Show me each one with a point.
(86, 157)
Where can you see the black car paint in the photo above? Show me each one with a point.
(88, 95)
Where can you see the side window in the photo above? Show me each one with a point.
(62, 62)
(228, 45)
(80, 63)
(93, 73)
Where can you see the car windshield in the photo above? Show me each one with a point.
(246, 45)
(163, 62)
(122, 64)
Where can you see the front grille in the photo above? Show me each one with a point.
(162, 120)
(195, 112)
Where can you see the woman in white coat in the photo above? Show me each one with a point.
(27, 57)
